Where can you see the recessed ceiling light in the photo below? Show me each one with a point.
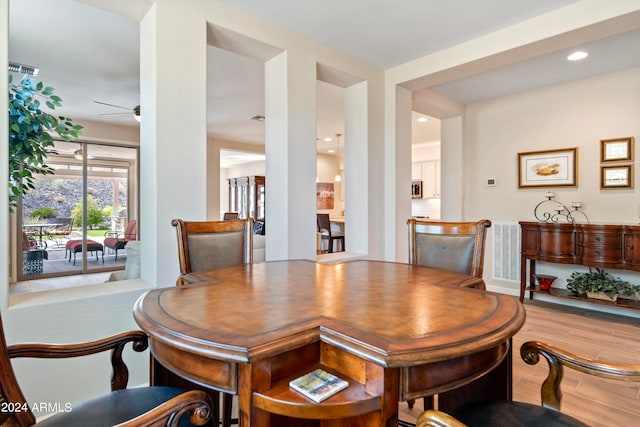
(328, 139)
(331, 150)
(423, 119)
(577, 56)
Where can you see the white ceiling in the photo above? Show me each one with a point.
(92, 55)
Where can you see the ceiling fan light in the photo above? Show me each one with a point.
(136, 113)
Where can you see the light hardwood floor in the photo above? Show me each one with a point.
(601, 336)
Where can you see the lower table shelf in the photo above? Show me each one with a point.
(563, 293)
(282, 400)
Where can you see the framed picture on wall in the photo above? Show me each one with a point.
(612, 177)
(616, 150)
(324, 195)
(549, 168)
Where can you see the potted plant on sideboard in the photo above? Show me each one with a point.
(598, 284)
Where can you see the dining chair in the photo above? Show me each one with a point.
(206, 245)
(456, 246)
(515, 414)
(124, 407)
(230, 215)
(324, 228)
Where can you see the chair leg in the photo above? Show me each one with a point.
(227, 405)
(428, 402)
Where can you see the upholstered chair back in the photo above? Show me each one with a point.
(456, 246)
(206, 245)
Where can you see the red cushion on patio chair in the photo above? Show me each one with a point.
(116, 242)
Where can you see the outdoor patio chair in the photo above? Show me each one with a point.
(61, 230)
(115, 241)
(32, 257)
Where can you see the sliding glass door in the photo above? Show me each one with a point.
(65, 219)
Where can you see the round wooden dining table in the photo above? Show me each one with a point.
(394, 331)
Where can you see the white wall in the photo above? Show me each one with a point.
(577, 114)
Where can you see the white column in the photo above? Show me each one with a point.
(356, 170)
(173, 140)
(290, 81)
(402, 168)
(4, 151)
(451, 170)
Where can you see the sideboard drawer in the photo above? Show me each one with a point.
(602, 239)
(602, 254)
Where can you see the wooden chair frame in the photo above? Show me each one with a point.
(418, 226)
(197, 404)
(186, 228)
(478, 229)
(331, 237)
(550, 392)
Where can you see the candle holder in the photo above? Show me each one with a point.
(551, 210)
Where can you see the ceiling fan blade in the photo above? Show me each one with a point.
(115, 114)
(112, 105)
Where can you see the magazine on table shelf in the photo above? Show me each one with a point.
(318, 385)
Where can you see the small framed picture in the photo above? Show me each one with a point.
(616, 150)
(550, 168)
(612, 177)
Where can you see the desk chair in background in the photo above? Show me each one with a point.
(206, 245)
(324, 228)
(518, 414)
(457, 246)
(124, 407)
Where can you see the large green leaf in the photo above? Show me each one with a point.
(30, 139)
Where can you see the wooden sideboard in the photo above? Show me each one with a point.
(595, 245)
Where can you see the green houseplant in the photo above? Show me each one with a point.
(31, 132)
(597, 281)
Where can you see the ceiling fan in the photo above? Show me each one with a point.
(135, 110)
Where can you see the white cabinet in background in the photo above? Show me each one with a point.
(416, 171)
(429, 172)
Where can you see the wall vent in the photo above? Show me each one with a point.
(23, 69)
(506, 251)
